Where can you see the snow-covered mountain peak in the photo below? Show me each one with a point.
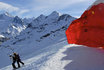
(41, 17)
(28, 20)
(54, 14)
(5, 16)
(53, 18)
(10, 26)
(17, 20)
(64, 17)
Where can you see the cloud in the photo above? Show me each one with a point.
(37, 7)
(12, 9)
(47, 6)
(23, 11)
(56, 4)
(8, 7)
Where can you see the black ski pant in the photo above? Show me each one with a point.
(13, 64)
(18, 62)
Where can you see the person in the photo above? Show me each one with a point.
(16, 58)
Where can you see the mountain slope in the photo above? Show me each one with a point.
(43, 46)
(73, 57)
(38, 60)
(76, 57)
(42, 32)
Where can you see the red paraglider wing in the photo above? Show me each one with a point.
(89, 28)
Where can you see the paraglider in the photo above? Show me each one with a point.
(89, 28)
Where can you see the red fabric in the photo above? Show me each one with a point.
(89, 28)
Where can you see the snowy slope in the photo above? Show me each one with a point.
(76, 57)
(38, 61)
(69, 57)
(42, 32)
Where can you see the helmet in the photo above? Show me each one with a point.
(14, 53)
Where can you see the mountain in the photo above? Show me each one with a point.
(10, 26)
(42, 45)
(35, 36)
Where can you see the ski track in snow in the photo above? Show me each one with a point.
(35, 63)
(76, 57)
(69, 57)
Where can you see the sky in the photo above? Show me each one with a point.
(34, 8)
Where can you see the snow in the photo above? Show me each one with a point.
(73, 57)
(1, 36)
(10, 25)
(42, 45)
(38, 60)
(36, 42)
(76, 57)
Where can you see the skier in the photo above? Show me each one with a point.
(16, 58)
